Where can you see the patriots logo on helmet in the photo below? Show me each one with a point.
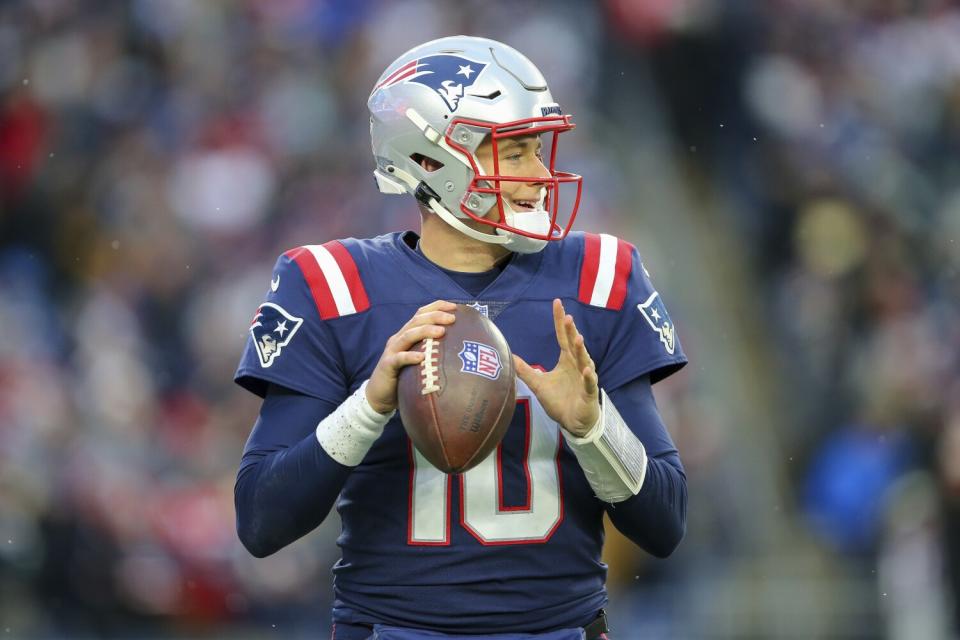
(480, 359)
(655, 313)
(272, 329)
(449, 75)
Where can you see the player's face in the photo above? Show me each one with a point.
(520, 156)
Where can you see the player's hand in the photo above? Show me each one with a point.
(570, 393)
(428, 322)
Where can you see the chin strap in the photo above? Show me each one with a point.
(537, 221)
(431, 201)
(458, 224)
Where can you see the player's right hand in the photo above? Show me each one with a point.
(427, 322)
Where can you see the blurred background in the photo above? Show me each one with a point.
(790, 169)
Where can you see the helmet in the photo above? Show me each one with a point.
(441, 100)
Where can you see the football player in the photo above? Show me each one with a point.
(461, 124)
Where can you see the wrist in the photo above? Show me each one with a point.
(613, 459)
(584, 431)
(583, 435)
(378, 407)
(349, 432)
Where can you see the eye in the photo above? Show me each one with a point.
(514, 156)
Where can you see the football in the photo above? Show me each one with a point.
(457, 404)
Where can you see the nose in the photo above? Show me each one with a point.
(540, 171)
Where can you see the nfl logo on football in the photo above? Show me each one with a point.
(480, 359)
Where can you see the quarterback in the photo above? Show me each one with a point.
(511, 548)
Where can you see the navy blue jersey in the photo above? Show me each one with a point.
(517, 538)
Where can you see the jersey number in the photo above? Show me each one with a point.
(482, 510)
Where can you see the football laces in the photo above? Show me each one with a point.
(429, 368)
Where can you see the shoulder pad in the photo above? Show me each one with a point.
(605, 271)
(334, 280)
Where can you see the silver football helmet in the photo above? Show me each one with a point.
(441, 100)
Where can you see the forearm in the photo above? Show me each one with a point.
(298, 458)
(283, 495)
(634, 468)
(656, 518)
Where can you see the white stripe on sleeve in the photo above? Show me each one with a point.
(606, 271)
(335, 280)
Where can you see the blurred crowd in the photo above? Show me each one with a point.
(832, 140)
(850, 203)
(156, 156)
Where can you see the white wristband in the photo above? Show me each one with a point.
(612, 457)
(348, 433)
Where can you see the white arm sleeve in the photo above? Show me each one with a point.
(349, 432)
(612, 457)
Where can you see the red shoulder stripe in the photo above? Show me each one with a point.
(624, 265)
(588, 270)
(351, 274)
(333, 278)
(319, 288)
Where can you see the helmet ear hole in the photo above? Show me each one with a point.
(426, 163)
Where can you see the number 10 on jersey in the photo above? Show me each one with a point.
(482, 510)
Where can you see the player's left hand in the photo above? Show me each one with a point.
(569, 393)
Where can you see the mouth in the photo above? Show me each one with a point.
(526, 205)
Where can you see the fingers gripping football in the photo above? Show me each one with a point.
(428, 322)
(569, 393)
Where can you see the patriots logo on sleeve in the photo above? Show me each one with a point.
(448, 75)
(655, 313)
(480, 359)
(272, 329)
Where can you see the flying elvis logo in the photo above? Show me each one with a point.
(449, 75)
(480, 359)
(272, 329)
(655, 313)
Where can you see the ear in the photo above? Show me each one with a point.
(427, 164)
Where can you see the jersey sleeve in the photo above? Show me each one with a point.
(288, 342)
(629, 318)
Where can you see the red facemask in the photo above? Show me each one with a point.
(490, 183)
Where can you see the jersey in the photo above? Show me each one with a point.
(513, 544)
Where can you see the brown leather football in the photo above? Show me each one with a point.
(457, 404)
